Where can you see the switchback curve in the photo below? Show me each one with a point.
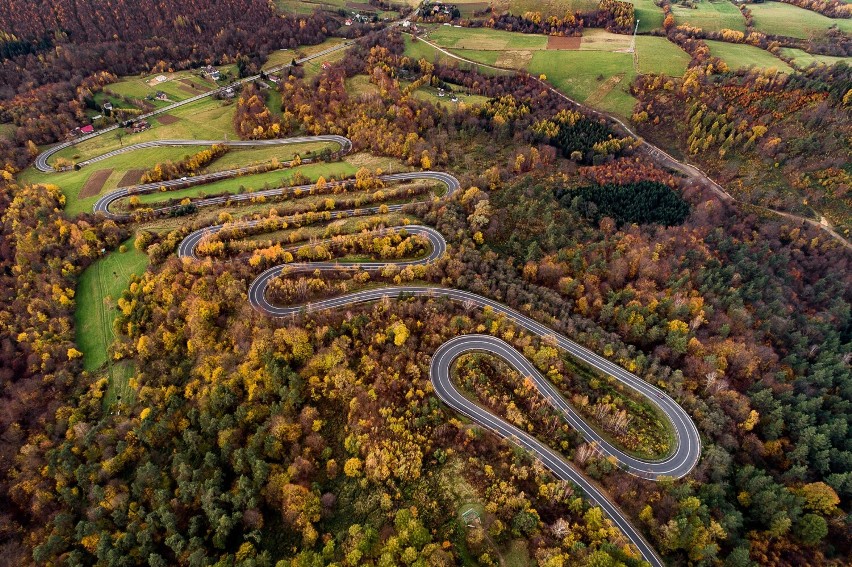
(679, 464)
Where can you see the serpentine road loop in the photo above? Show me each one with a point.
(688, 443)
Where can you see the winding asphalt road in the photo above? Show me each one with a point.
(678, 464)
(103, 204)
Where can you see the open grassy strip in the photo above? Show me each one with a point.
(802, 59)
(710, 16)
(778, 18)
(546, 7)
(738, 56)
(98, 290)
(485, 39)
(255, 182)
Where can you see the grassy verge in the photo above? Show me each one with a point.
(255, 182)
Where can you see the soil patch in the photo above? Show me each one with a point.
(132, 177)
(188, 85)
(166, 119)
(556, 42)
(94, 183)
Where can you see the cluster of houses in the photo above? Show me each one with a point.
(211, 72)
(358, 19)
(438, 9)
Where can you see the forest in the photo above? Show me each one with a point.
(318, 440)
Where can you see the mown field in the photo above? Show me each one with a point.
(710, 16)
(778, 18)
(738, 56)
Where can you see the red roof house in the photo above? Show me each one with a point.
(87, 129)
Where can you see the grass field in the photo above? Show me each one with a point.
(802, 59)
(738, 56)
(98, 290)
(7, 130)
(485, 39)
(140, 87)
(778, 18)
(710, 16)
(599, 73)
(546, 7)
(600, 76)
(285, 56)
(650, 15)
(255, 182)
(204, 119)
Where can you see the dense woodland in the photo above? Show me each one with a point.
(318, 440)
(794, 131)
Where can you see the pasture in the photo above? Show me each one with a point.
(738, 56)
(710, 16)
(777, 18)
